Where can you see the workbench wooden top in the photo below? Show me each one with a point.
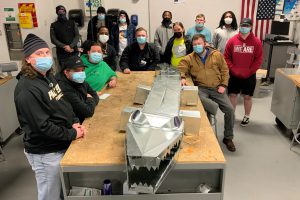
(291, 73)
(4, 80)
(104, 144)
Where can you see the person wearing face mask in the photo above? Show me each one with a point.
(64, 35)
(95, 23)
(122, 34)
(164, 32)
(140, 55)
(208, 70)
(244, 55)
(76, 90)
(98, 73)
(178, 46)
(199, 28)
(46, 118)
(226, 30)
(109, 53)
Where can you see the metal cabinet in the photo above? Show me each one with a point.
(8, 116)
(286, 98)
(275, 56)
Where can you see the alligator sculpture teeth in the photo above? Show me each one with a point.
(154, 134)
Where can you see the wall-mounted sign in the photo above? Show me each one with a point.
(29, 8)
(25, 20)
(94, 4)
(10, 15)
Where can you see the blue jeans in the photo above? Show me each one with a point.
(46, 168)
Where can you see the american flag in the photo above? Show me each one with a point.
(261, 12)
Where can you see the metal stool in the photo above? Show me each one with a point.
(296, 136)
(211, 108)
(2, 157)
(213, 122)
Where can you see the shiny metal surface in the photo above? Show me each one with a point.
(154, 134)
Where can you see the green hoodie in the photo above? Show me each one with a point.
(97, 75)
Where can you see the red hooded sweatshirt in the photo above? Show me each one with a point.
(243, 57)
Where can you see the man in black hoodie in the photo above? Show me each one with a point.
(64, 35)
(46, 118)
(78, 92)
(95, 23)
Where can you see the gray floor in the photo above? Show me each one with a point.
(262, 168)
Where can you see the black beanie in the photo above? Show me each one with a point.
(33, 43)
(101, 10)
(60, 7)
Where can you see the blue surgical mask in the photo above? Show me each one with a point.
(78, 77)
(245, 30)
(199, 25)
(96, 57)
(198, 48)
(141, 39)
(43, 64)
(122, 20)
(101, 16)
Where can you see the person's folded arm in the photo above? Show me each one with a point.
(38, 117)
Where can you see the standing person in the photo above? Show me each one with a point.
(122, 34)
(95, 23)
(208, 70)
(140, 55)
(46, 118)
(164, 32)
(76, 90)
(64, 35)
(226, 30)
(98, 73)
(199, 28)
(109, 53)
(178, 46)
(243, 54)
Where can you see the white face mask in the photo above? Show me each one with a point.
(228, 20)
(103, 38)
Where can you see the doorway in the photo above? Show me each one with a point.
(14, 41)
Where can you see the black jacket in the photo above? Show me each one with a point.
(44, 115)
(76, 94)
(115, 37)
(93, 30)
(140, 60)
(64, 33)
(110, 57)
(168, 52)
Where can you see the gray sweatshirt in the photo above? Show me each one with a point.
(162, 36)
(221, 36)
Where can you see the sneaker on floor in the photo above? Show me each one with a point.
(229, 144)
(245, 121)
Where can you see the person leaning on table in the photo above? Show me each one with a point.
(76, 90)
(98, 73)
(208, 70)
(46, 118)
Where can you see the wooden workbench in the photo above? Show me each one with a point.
(103, 146)
(286, 97)
(4, 80)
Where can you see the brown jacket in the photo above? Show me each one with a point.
(211, 74)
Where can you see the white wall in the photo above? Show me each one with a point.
(149, 12)
(45, 11)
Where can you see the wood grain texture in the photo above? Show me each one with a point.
(294, 77)
(4, 80)
(104, 144)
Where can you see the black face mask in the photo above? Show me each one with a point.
(178, 34)
(166, 22)
(61, 17)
